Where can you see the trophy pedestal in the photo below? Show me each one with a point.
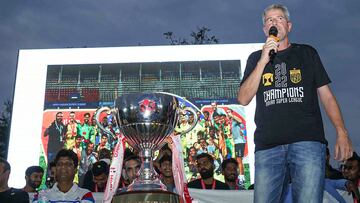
(150, 196)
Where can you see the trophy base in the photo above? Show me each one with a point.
(151, 196)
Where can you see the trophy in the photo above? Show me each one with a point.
(146, 120)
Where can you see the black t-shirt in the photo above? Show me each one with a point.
(287, 107)
(13, 195)
(56, 133)
(218, 185)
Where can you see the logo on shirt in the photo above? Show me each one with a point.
(267, 79)
(295, 75)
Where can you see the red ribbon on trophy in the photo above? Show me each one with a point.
(178, 168)
(115, 170)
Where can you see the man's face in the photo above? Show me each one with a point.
(213, 106)
(104, 140)
(230, 172)
(86, 118)
(131, 169)
(59, 117)
(72, 117)
(211, 141)
(191, 118)
(100, 180)
(78, 141)
(166, 169)
(183, 119)
(275, 17)
(229, 113)
(90, 148)
(198, 113)
(206, 115)
(222, 119)
(105, 121)
(203, 143)
(192, 152)
(351, 170)
(212, 132)
(217, 119)
(205, 167)
(34, 180)
(65, 170)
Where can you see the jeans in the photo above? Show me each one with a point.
(302, 163)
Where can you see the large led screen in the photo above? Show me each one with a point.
(58, 90)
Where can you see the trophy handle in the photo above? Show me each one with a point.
(185, 109)
(97, 117)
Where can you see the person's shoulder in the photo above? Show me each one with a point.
(18, 194)
(15, 191)
(221, 185)
(255, 54)
(306, 47)
(194, 183)
(84, 194)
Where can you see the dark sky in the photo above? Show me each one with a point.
(331, 26)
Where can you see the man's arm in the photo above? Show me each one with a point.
(46, 132)
(250, 86)
(237, 119)
(343, 146)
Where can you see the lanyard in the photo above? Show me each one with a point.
(354, 197)
(203, 184)
(236, 184)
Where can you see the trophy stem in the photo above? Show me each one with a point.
(148, 178)
(146, 172)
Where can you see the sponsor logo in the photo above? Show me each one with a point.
(295, 75)
(267, 79)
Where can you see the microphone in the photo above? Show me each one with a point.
(273, 33)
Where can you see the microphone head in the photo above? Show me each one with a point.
(273, 31)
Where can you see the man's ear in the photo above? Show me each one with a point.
(290, 26)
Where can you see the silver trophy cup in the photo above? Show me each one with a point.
(146, 119)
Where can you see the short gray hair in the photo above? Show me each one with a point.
(281, 7)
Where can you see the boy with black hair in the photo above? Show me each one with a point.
(205, 166)
(167, 177)
(99, 175)
(230, 170)
(33, 177)
(65, 190)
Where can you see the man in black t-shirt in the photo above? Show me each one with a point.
(7, 194)
(289, 137)
(205, 166)
(56, 132)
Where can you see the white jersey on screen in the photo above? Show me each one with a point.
(74, 195)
